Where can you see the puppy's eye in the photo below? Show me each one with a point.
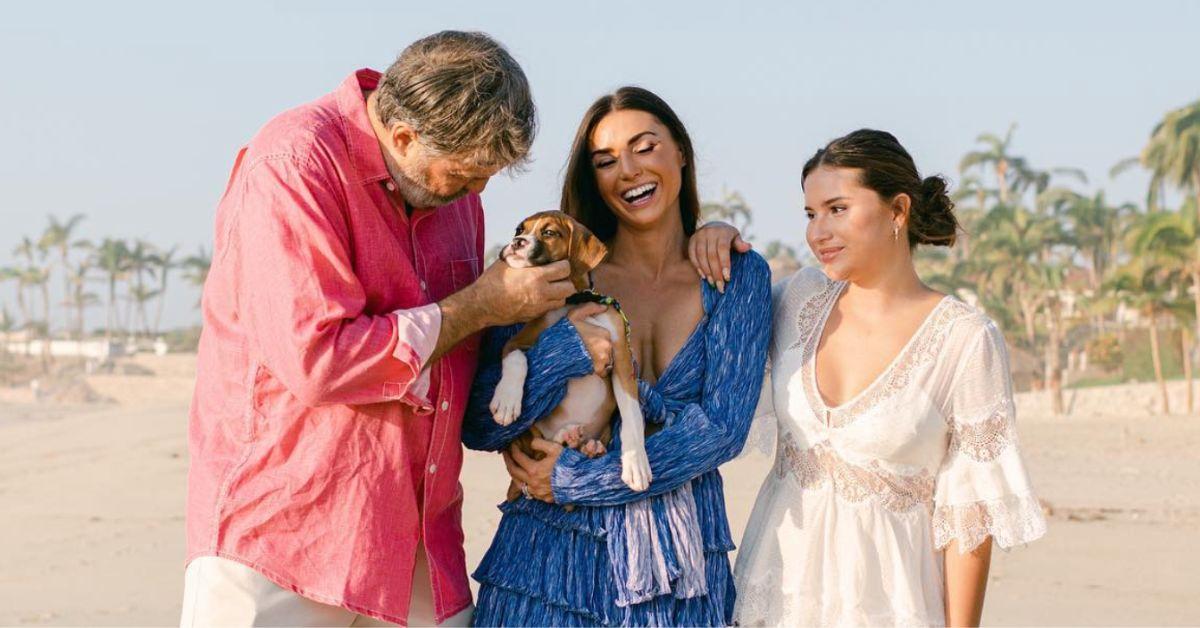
(549, 233)
(517, 232)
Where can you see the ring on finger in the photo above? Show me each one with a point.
(525, 490)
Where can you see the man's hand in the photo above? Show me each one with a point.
(596, 339)
(516, 295)
(502, 295)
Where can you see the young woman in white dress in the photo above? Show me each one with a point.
(897, 465)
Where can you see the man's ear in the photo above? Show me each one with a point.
(403, 137)
(589, 251)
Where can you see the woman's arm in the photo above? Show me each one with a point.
(701, 436)
(966, 582)
(558, 357)
(709, 251)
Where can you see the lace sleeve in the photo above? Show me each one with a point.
(764, 426)
(982, 487)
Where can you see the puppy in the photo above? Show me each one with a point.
(582, 420)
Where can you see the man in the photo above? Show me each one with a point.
(340, 335)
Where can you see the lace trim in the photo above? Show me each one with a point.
(921, 350)
(819, 465)
(1012, 520)
(984, 441)
(813, 311)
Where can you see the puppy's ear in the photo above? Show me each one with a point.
(587, 250)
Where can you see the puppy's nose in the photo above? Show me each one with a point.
(519, 242)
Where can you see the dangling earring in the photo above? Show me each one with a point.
(895, 232)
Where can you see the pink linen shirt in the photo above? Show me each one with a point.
(323, 444)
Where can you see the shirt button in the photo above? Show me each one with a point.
(422, 284)
(390, 186)
(433, 468)
(445, 406)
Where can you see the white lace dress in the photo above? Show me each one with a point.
(849, 526)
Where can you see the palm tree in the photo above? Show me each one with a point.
(16, 275)
(1153, 278)
(994, 155)
(1144, 285)
(732, 208)
(58, 236)
(968, 216)
(1094, 225)
(7, 324)
(39, 277)
(1170, 236)
(81, 299)
(1173, 153)
(1181, 309)
(1014, 261)
(1009, 256)
(140, 258)
(112, 257)
(195, 268)
(164, 264)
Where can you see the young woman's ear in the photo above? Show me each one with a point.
(901, 209)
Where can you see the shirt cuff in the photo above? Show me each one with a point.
(417, 332)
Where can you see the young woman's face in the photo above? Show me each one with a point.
(849, 226)
(638, 167)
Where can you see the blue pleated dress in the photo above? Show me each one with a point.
(656, 558)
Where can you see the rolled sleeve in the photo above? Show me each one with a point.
(417, 331)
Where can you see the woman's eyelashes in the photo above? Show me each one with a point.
(604, 163)
(835, 209)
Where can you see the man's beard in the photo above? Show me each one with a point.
(414, 188)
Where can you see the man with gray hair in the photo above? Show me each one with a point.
(341, 320)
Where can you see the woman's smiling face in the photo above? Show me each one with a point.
(638, 167)
(849, 227)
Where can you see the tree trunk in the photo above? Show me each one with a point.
(68, 324)
(46, 330)
(1186, 352)
(1002, 180)
(112, 309)
(1053, 362)
(1157, 357)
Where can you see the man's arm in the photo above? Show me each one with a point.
(501, 296)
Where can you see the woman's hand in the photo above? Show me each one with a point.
(709, 251)
(596, 339)
(534, 475)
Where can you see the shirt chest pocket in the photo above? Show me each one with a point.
(452, 277)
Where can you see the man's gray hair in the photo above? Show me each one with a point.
(464, 95)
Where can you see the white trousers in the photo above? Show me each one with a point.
(222, 592)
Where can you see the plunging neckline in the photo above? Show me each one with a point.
(704, 307)
(819, 332)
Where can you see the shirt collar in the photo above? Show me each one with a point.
(365, 153)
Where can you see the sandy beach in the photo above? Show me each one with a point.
(93, 498)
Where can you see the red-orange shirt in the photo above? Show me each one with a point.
(319, 453)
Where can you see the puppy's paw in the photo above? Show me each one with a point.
(506, 402)
(570, 436)
(593, 449)
(635, 469)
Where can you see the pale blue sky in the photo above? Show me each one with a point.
(131, 112)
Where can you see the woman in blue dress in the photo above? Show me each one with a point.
(620, 557)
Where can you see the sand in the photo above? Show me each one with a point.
(93, 497)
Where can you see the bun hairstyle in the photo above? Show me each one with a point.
(889, 170)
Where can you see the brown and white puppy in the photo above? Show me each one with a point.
(581, 420)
